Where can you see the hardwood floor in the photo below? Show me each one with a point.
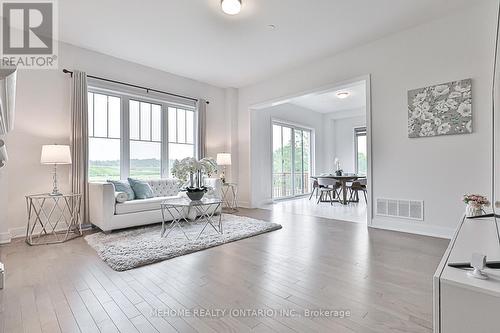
(383, 278)
(352, 212)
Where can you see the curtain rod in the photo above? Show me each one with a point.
(136, 86)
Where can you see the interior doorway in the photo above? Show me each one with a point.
(313, 134)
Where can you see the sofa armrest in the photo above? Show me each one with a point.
(101, 204)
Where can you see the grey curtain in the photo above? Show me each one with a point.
(201, 105)
(8, 78)
(79, 140)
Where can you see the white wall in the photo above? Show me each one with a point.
(343, 130)
(42, 117)
(437, 170)
(231, 108)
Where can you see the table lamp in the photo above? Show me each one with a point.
(223, 159)
(55, 154)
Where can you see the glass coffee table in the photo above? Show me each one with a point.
(177, 210)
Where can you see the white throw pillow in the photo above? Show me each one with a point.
(121, 197)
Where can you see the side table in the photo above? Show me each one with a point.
(230, 196)
(53, 219)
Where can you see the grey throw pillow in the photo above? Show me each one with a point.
(142, 190)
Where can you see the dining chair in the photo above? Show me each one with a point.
(328, 187)
(356, 186)
(315, 187)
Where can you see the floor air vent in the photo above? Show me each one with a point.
(407, 209)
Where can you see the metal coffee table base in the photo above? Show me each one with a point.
(204, 214)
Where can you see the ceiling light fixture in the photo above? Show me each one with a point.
(231, 7)
(343, 94)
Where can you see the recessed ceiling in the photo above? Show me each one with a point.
(327, 102)
(194, 38)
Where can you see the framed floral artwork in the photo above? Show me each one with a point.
(443, 109)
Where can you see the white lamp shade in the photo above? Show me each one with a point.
(55, 154)
(224, 159)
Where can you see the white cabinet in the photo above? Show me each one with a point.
(463, 303)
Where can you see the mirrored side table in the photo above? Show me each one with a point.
(230, 196)
(53, 219)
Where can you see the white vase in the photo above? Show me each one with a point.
(473, 210)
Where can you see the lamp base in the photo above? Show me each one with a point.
(223, 175)
(55, 191)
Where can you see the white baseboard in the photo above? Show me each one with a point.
(413, 227)
(5, 238)
(17, 232)
(244, 204)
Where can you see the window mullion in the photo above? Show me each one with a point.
(93, 113)
(140, 119)
(185, 127)
(125, 139)
(176, 125)
(107, 117)
(150, 129)
(164, 142)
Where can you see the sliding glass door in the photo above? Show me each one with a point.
(291, 160)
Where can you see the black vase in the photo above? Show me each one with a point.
(195, 194)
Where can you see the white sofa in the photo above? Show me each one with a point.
(108, 215)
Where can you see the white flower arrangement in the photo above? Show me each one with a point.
(186, 168)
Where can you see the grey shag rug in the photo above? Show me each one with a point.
(127, 249)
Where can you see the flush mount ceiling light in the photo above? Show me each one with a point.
(343, 94)
(231, 7)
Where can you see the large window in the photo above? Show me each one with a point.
(180, 134)
(145, 140)
(104, 137)
(291, 160)
(137, 137)
(360, 150)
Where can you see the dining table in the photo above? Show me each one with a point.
(343, 180)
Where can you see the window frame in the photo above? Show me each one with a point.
(359, 131)
(164, 103)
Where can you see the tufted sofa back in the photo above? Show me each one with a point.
(165, 187)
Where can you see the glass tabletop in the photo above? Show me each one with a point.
(186, 202)
(48, 195)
